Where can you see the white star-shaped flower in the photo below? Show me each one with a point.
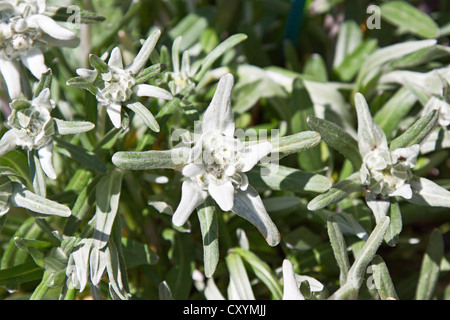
(217, 165)
(115, 85)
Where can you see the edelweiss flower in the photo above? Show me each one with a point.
(387, 173)
(217, 164)
(33, 128)
(116, 86)
(25, 33)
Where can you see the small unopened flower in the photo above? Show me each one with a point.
(115, 85)
(25, 33)
(33, 129)
(180, 79)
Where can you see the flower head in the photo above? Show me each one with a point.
(32, 128)
(217, 164)
(25, 33)
(115, 85)
(387, 173)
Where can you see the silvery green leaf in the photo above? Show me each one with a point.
(107, 195)
(37, 174)
(239, 287)
(430, 269)
(417, 132)
(33, 202)
(207, 216)
(144, 114)
(349, 225)
(339, 248)
(97, 265)
(409, 19)
(277, 177)
(144, 54)
(337, 192)
(117, 287)
(314, 285)
(338, 139)
(370, 135)
(298, 142)
(248, 205)
(262, 271)
(45, 82)
(357, 271)
(72, 127)
(225, 46)
(396, 225)
(82, 83)
(429, 193)
(146, 160)
(382, 279)
(150, 72)
(98, 63)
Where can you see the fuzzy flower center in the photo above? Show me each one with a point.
(384, 172)
(118, 85)
(31, 127)
(220, 160)
(16, 37)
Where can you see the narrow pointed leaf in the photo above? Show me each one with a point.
(337, 192)
(298, 142)
(339, 248)
(72, 127)
(146, 160)
(107, 195)
(357, 271)
(210, 235)
(144, 114)
(33, 202)
(382, 279)
(417, 132)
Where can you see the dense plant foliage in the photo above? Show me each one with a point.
(232, 149)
